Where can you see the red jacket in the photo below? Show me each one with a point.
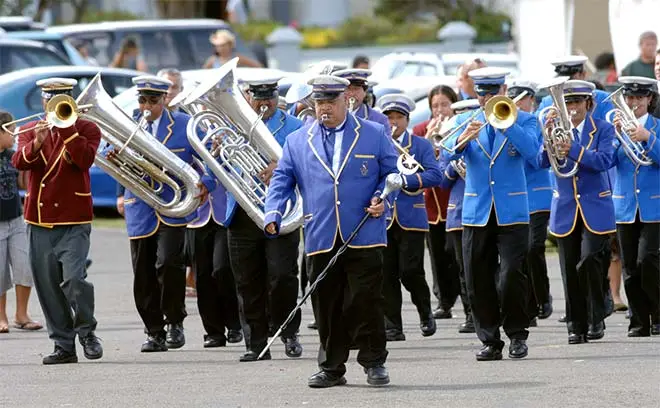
(58, 191)
(435, 198)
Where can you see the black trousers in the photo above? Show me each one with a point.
(641, 267)
(583, 257)
(404, 264)
(445, 272)
(159, 277)
(348, 306)
(535, 266)
(266, 276)
(455, 241)
(216, 291)
(490, 307)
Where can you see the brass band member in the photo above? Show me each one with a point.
(582, 213)
(637, 207)
(407, 225)
(356, 93)
(58, 210)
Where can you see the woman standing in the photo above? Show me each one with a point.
(129, 56)
(637, 206)
(13, 240)
(224, 42)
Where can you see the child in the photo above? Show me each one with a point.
(13, 239)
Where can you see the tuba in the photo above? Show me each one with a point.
(237, 146)
(561, 131)
(633, 150)
(140, 161)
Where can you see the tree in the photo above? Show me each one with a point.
(13, 7)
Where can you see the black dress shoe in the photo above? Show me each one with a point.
(575, 338)
(234, 336)
(88, 263)
(441, 313)
(60, 356)
(562, 319)
(639, 332)
(175, 337)
(428, 327)
(533, 323)
(323, 379)
(312, 325)
(254, 356)
(154, 343)
(214, 341)
(655, 330)
(394, 335)
(489, 353)
(596, 331)
(377, 375)
(518, 348)
(468, 326)
(292, 347)
(91, 346)
(545, 310)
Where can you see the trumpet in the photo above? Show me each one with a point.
(459, 167)
(561, 130)
(500, 111)
(629, 123)
(62, 111)
(351, 104)
(406, 163)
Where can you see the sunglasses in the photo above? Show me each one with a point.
(487, 91)
(152, 100)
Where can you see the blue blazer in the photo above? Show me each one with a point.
(637, 188)
(141, 220)
(496, 174)
(334, 204)
(589, 189)
(368, 113)
(281, 124)
(408, 208)
(453, 182)
(539, 188)
(600, 108)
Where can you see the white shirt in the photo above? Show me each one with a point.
(579, 128)
(154, 125)
(336, 156)
(642, 119)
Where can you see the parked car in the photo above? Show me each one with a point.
(20, 23)
(451, 61)
(21, 97)
(406, 64)
(18, 54)
(55, 40)
(183, 44)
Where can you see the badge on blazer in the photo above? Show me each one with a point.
(364, 169)
(511, 150)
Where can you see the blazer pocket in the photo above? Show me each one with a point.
(451, 206)
(620, 196)
(82, 194)
(182, 149)
(541, 188)
(365, 156)
(470, 194)
(129, 201)
(517, 193)
(605, 193)
(422, 205)
(654, 197)
(308, 217)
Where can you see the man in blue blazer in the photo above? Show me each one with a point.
(340, 164)
(157, 242)
(407, 225)
(637, 208)
(496, 219)
(582, 214)
(265, 270)
(359, 85)
(539, 196)
(572, 66)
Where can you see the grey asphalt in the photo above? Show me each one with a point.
(438, 371)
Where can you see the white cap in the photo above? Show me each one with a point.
(489, 75)
(396, 102)
(152, 83)
(575, 87)
(523, 83)
(354, 74)
(570, 60)
(56, 84)
(465, 104)
(327, 86)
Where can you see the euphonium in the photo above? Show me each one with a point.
(238, 146)
(139, 154)
(561, 130)
(61, 112)
(634, 150)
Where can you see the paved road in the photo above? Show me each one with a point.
(438, 371)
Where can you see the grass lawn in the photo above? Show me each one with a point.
(108, 218)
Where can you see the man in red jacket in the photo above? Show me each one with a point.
(58, 210)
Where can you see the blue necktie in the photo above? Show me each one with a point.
(576, 135)
(150, 127)
(329, 140)
(491, 137)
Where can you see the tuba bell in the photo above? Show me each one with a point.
(561, 130)
(238, 145)
(634, 150)
(140, 161)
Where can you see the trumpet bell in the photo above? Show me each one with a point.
(61, 111)
(501, 112)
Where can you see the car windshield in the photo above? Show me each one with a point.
(451, 68)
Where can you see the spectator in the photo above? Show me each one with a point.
(606, 68)
(465, 83)
(361, 62)
(83, 49)
(14, 265)
(224, 42)
(174, 76)
(238, 11)
(129, 56)
(643, 66)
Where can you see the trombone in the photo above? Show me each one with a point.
(61, 112)
(629, 122)
(500, 111)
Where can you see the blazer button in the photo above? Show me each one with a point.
(41, 204)
(638, 191)
(492, 182)
(578, 196)
(43, 185)
(338, 202)
(56, 205)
